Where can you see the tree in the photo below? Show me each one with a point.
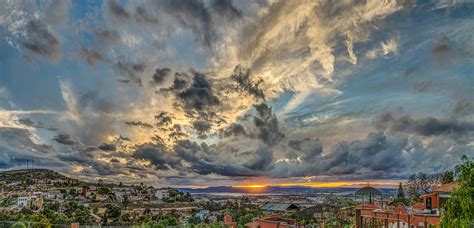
(420, 184)
(459, 209)
(400, 196)
(245, 219)
(447, 177)
(125, 201)
(194, 220)
(103, 190)
(6, 202)
(18, 225)
(401, 192)
(168, 220)
(60, 218)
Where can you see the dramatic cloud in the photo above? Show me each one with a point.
(242, 77)
(199, 96)
(213, 92)
(428, 126)
(161, 74)
(65, 139)
(17, 146)
(41, 41)
(234, 130)
(267, 124)
(108, 147)
(157, 155)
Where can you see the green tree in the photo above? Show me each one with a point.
(401, 192)
(194, 220)
(6, 202)
(18, 225)
(168, 220)
(113, 211)
(459, 209)
(245, 219)
(103, 190)
(60, 218)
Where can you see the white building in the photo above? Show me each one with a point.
(161, 194)
(23, 201)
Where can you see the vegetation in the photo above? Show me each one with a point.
(423, 183)
(400, 196)
(459, 209)
(178, 196)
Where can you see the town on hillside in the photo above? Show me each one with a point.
(45, 198)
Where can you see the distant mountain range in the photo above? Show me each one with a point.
(278, 190)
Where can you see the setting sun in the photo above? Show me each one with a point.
(255, 186)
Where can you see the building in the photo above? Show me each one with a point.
(161, 194)
(272, 222)
(279, 207)
(23, 201)
(228, 221)
(419, 215)
(318, 212)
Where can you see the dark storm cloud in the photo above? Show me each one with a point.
(162, 119)
(428, 126)
(41, 41)
(158, 155)
(177, 132)
(308, 150)
(107, 147)
(206, 160)
(139, 123)
(65, 139)
(227, 9)
(161, 74)
(201, 125)
(234, 129)
(199, 96)
(376, 153)
(243, 79)
(91, 56)
(192, 15)
(262, 158)
(141, 16)
(267, 125)
(17, 146)
(86, 157)
(180, 81)
(131, 70)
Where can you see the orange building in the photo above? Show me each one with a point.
(272, 222)
(228, 221)
(419, 215)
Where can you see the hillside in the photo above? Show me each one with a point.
(10, 176)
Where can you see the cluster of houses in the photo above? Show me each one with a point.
(372, 210)
(35, 195)
(376, 213)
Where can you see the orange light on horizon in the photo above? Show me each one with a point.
(250, 186)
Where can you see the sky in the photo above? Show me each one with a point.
(237, 92)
